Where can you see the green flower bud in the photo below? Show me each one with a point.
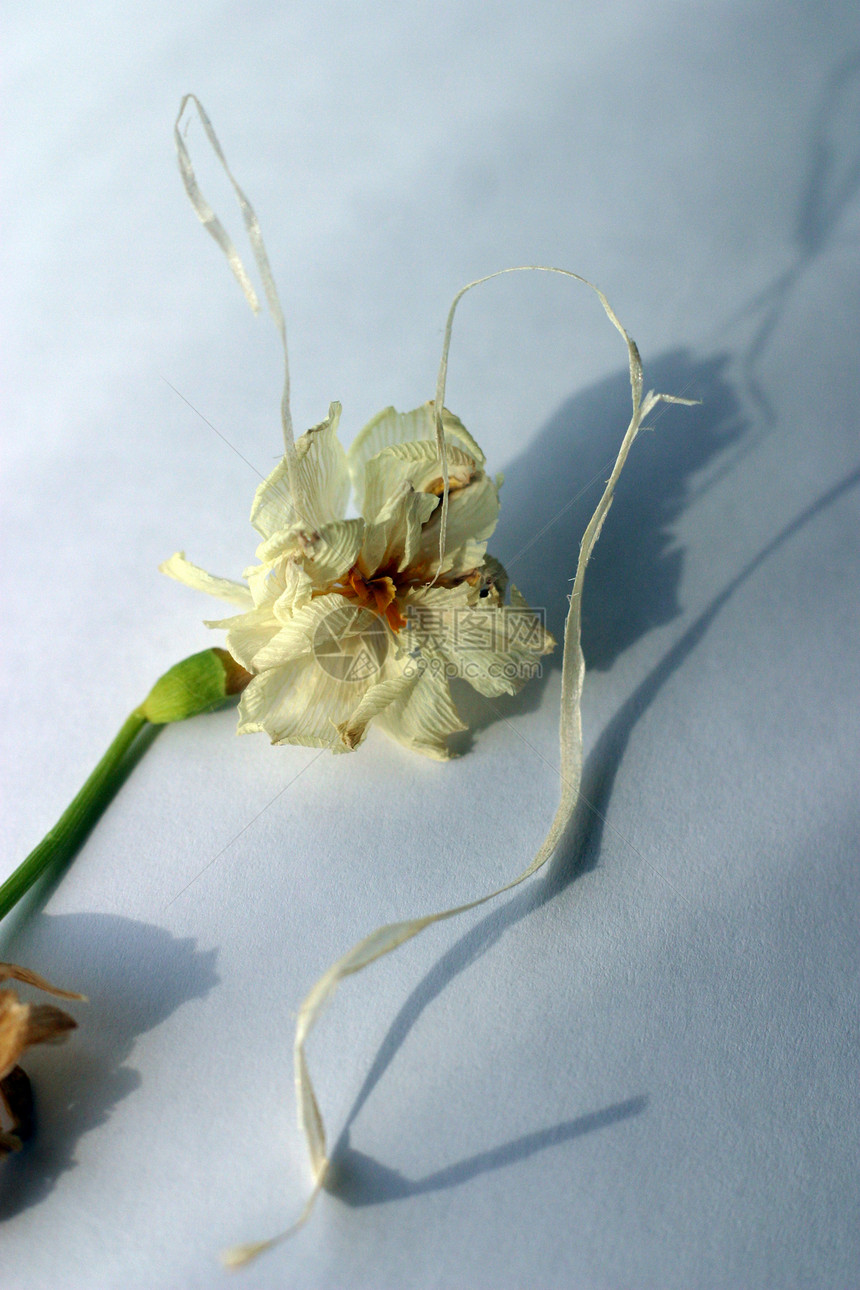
(198, 684)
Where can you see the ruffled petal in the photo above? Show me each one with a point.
(298, 592)
(496, 648)
(423, 716)
(294, 704)
(297, 564)
(393, 539)
(393, 685)
(323, 476)
(349, 641)
(415, 464)
(327, 554)
(248, 634)
(302, 702)
(282, 585)
(392, 427)
(473, 513)
(184, 571)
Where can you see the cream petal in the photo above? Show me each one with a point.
(466, 560)
(323, 476)
(298, 592)
(418, 510)
(424, 715)
(334, 551)
(542, 641)
(392, 427)
(301, 703)
(395, 537)
(301, 564)
(454, 429)
(346, 639)
(183, 571)
(285, 541)
(272, 507)
(283, 583)
(295, 635)
(327, 554)
(495, 648)
(394, 685)
(248, 634)
(473, 513)
(417, 464)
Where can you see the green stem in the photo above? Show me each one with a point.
(62, 841)
(198, 684)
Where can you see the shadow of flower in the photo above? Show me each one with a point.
(549, 495)
(577, 852)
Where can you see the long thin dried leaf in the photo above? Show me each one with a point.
(391, 936)
(388, 938)
(213, 225)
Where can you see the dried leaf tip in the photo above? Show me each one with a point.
(240, 1255)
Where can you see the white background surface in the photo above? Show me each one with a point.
(641, 1070)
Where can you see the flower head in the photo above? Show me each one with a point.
(349, 621)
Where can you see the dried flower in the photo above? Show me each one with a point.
(349, 621)
(427, 510)
(21, 1026)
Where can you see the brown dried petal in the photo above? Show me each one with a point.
(11, 971)
(13, 1030)
(235, 676)
(23, 1024)
(48, 1025)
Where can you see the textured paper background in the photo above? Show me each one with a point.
(640, 1071)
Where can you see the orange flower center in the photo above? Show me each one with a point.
(378, 593)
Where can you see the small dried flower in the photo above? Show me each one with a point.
(330, 590)
(21, 1026)
(349, 621)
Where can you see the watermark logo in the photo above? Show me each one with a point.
(351, 643)
(472, 642)
(516, 671)
(476, 641)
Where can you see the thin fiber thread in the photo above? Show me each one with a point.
(389, 937)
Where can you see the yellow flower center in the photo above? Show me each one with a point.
(378, 593)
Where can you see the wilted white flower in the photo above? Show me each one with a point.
(348, 621)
